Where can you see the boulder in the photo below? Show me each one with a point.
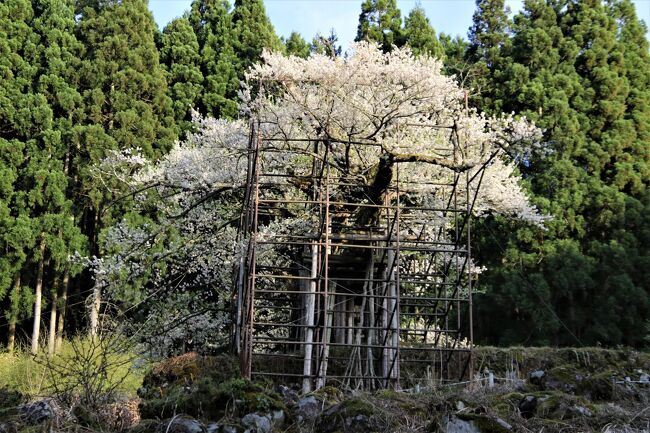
(277, 418)
(476, 423)
(256, 423)
(289, 395)
(36, 412)
(182, 425)
(528, 406)
(308, 409)
(536, 377)
(213, 427)
(355, 415)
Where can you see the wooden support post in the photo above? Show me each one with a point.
(310, 300)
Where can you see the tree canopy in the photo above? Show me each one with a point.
(93, 98)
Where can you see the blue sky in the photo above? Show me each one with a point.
(309, 17)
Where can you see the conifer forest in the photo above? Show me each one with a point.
(245, 228)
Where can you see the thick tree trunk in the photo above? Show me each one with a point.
(63, 301)
(51, 338)
(36, 330)
(13, 317)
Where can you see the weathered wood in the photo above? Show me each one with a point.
(310, 299)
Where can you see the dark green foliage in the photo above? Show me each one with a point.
(253, 32)
(420, 36)
(456, 63)
(575, 71)
(126, 100)
(212, 23)
(123, 84)
(296, 46)
(380, 21)
(179, 54)
(17, 98)
(229, 42)
(488, 52)
(39, 107)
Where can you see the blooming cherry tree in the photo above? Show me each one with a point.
(177, 253)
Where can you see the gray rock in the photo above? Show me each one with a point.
(454, 424)
(256, 423)
(358, 423)
(528, 406)
(308, 408)
(460, 424)
(579, 411)
(213, 427)
(182, 425)
(228, 429)
(36, 412)
(277, 418)
(537, 377)
(288, 395)
(552, 383)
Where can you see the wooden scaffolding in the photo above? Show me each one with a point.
(369, 296)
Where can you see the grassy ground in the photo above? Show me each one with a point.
(39, 375)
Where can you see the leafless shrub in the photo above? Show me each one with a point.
(91, 371)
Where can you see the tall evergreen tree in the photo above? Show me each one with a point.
(420, 36)
(456, 62)
(253, 32)
(212, 23)
(44, 105)
(126, 101)
(380, 21)
(179, 53)
(587, 273)
(59, 54)
(20, 118)
(295, 45)
(125, 95)
(488, 52)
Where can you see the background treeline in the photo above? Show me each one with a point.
(79, 78)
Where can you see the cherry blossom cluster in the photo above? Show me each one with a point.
(369, 111)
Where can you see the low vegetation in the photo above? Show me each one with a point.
(585, 389)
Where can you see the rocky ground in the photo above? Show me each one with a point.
(531, 390)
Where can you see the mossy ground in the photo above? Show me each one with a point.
(584, 395)
(204, 387)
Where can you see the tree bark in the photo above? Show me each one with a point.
(51, 338)
(36, 330)
(94, 310)
(63, 301)
(13, 317)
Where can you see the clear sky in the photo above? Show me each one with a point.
(309, 17)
